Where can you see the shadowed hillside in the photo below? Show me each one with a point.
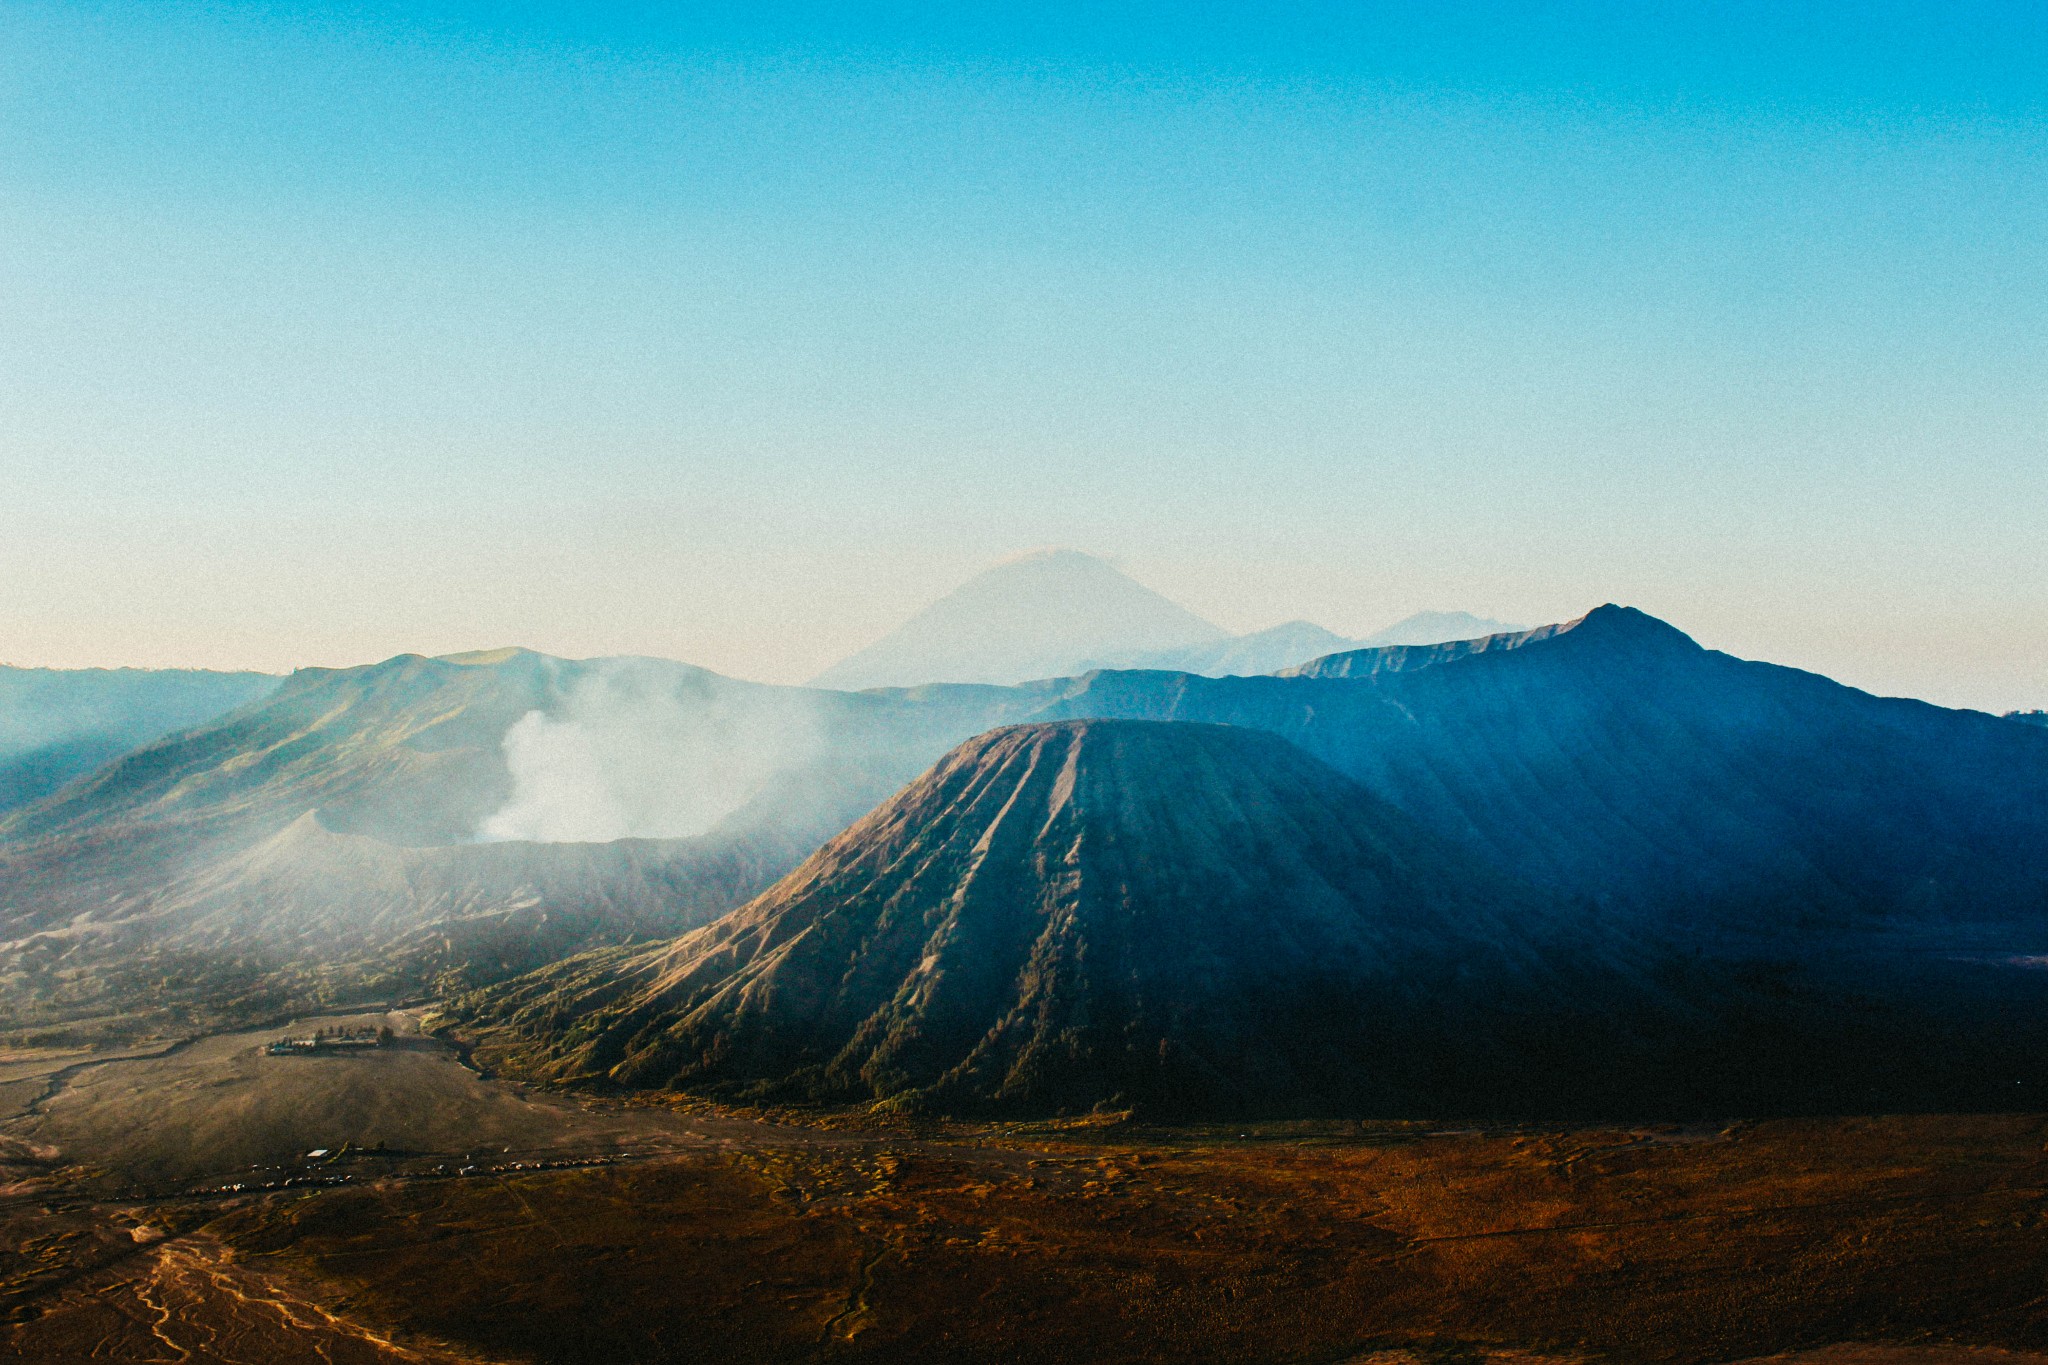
(1181, 917)
(1614, 758)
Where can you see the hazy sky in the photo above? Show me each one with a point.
(736, 334)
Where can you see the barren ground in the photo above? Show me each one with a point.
(685, 1234)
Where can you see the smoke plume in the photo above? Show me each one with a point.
(636, 750)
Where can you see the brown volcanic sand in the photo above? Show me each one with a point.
(189, 1301)
(1909, 1238)
(214, 1109)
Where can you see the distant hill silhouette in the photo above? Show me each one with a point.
(1043, 615)
(1263, 651)
(1288, 647)
(1435, 627)
(1058, 613)
(60, 724)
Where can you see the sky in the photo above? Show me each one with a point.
(735, 334)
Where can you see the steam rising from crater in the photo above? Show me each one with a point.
(638, 750)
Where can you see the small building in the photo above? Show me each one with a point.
(324, 1040)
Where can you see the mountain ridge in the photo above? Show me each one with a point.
(1619, 759)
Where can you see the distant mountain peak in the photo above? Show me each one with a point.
(1055, 554)
(1623, 633)
(1044, 614)
(1612, 623)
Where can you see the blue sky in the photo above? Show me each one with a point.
(736, 334)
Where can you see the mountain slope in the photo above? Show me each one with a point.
(1612, 757)
(1189, 918)
(425, 751)
(59, 724)
(329, 834)
(309, 917)
(1044, 615)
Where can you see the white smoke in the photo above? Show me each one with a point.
(642, 750)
